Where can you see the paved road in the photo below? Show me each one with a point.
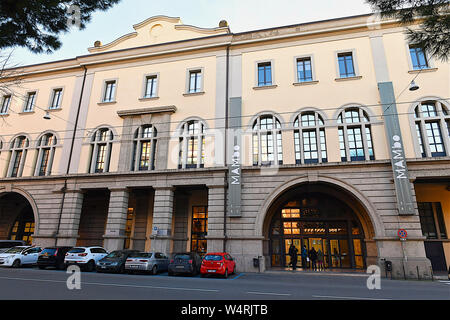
(32, 284)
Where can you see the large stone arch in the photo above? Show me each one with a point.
(369, 218)
(29, 198)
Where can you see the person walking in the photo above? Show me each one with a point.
(304, 255)
(313, 258)
(293, 253)
(320, 257)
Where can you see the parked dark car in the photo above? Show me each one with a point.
(53, 257)
(115, 261)
(185, 263)
(6, 244)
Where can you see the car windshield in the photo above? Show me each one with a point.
(15, 250)
(183, 257)
(49, 251)
(141, 255)
(115, 254)
(213, 258)
(77, 250)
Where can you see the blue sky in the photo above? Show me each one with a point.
(242, 15)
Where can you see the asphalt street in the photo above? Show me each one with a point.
(35, 284)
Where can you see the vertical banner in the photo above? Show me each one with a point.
(405, 201)
(234, 160)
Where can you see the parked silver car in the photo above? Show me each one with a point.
(152, 262)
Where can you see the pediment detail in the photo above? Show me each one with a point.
(157, 30)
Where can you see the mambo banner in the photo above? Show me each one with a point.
(405, 202)
(235, 159)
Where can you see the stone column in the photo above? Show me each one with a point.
(162, 220)
(117, 218)
(69, 223)
(216, 202)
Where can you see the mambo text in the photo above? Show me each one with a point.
(398, 158)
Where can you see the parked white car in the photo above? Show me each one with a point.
(85, 257)
(19, 256)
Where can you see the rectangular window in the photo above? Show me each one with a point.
(5, 104)
(29, 106)
(195, 81)
(101, 156)
(323, 146)
(355, 144)
(110, 91)
(418, 58)
(144, 162)
(56, 99)
(346, 65)
(264, 74)
(342, 145)
(199, 230)
(432, 220)
(419, 135)
(44, 162)
(369, 143)
(435, 139)
(15, 169)
(304, 70)
(150, 86)
(310, 147)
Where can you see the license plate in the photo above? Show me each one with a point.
(180, 267)
(212, 271)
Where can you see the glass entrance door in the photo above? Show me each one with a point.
(298, 244)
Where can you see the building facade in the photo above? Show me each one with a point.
(178, 138)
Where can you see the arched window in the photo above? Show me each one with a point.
(432, 126)
(145, 140)
(267, 141)
(101, 148)
(18, 149)
(192, 145)
(355, 135)
(309, 138)
(46, 153)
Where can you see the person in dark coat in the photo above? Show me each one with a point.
(313, 258)
(304, 258)
(293, 253)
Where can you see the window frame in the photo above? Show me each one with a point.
(52, 98)
(155, 90)
(26, 107)
(363, 123)
(200, 89)
(138, 142)
(299, 138)
(276, 137)
(355, 64)
(419, 127)
(4, 109)
(296, 71)
(185, 137)
(106, 82)
(96, 144)
(48, 151)
(16, 171)
(272, 74)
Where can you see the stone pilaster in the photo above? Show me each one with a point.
(70, 218)
(117, 217)
(162, 220)
(216, 207)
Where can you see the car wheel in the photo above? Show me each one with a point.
(154, 270)
(41, 267)
(16, 264)
(60, 266)
(170, 273)
(226, 274)
(90, 266)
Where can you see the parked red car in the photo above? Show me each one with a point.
(218, 263)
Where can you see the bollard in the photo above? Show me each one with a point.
(418, 275)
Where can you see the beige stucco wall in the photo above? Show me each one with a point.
(32, 124)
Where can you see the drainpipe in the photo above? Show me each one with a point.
(226, 148)
(64, 189)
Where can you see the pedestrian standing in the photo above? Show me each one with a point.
(320, 257)
(313, 258)
(293, 253)
(304, 258)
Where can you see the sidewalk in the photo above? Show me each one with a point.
(338, 272)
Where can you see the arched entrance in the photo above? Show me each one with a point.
(323, 217)
(17, 221)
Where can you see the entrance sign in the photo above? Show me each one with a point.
(405, 201)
